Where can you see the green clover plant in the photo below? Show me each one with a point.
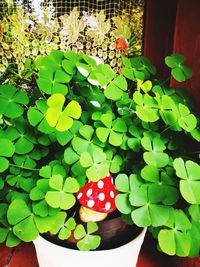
(84, 121)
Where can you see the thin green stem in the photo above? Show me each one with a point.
(22, 167)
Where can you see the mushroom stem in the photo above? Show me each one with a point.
(87, 215)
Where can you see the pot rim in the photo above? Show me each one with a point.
(122, 247)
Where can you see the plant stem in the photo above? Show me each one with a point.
(22, 167)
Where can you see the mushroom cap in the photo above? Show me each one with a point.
(98, 196)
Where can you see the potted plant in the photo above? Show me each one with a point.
(90, 145)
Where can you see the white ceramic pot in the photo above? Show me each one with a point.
(51, 255)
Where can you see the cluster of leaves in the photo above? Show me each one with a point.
(83, 122)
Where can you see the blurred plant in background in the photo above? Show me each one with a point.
(28, 31)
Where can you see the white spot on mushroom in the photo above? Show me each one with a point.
(101, 196)
(107, 206)
(108, 175)
(91, 203)
(79, 195)
(100, 184)
(112, 180)
(112, 195)
(89, 192)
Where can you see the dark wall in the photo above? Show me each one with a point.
(173, 26)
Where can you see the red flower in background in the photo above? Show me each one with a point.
(121, 44)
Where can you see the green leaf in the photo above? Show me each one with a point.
(174, 60)
(62, 120)
(102, 134)
(87, 132)
(64, 233)
(12, 240)
(71, 185)
(17, 211)
(60, 200)
(150, 173)
(4, 164)
(174, 242)
(45, 171)
(86, 160)
(166, 241)
(7, 148)
(92, 227)
(190, 185)
(79, 232)
(26, 230)
(121, 82)
(70, 156)
(141, 216)
(84, 69)
(123, 204)
(122, 183)
(90, 242)
(146, 86)
(56, 182)
(113, 92)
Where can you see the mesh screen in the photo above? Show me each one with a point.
(32, 28)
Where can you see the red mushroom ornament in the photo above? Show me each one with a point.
(97, 199)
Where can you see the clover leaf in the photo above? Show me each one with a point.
(52, 77)
(36, 117)
(96, 164)
(147, 107)
(155, 155)
(112, 130)
(114, 160)
(61, 196)
(22, 136)
(12, 101)
(67, 228)
(187, 121)
(189, 172)
(135, 199)
(62, 120)
(138, 68)
(86, 141)
(180, 72)
(116, 88)
(87, 241)
(176, 234)
(65, 137)
(163, 187)
(37, 194)
(7, 149)
(19, 215)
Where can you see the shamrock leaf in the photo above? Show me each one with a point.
(176, 240)
(114, 160)
(61, 120)
(187, 121)
(7, 149)
(116, 88)
(189, 172)
(87, 241)
(12, 101)
(112, 130)
(155, 155)
(162, 187)
(36, 117)
(67, 228)
(61, 196)
(180, 72)
(19, 215)
(96, 164)
(147, 107)
(22, 136)
(53, 79)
